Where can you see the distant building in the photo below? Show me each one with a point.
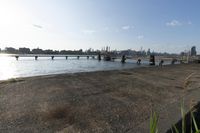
(11, 50)
(37, 51)
(24, 50)
(106, 49)
(193, 51)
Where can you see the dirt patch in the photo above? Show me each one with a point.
(126, 73)
(60, 113)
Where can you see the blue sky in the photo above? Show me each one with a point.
(161, 25)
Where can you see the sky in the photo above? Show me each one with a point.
(161, 25)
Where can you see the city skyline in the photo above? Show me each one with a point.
(25, 50)
(164, 26)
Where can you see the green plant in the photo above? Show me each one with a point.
(153, 123)
(184, 126)
(197, 130)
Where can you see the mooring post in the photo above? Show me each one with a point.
(152, 60)
(99, 56)
(17, 57)
(161, 63)
(123, 59)
(88, 57)
(139, 61)
(52, 57)
(36, 57)
(93, 57)
(78, 57)
(66, 57)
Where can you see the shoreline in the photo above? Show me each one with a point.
(60, 68)
(72, 73)
(101, 101)
(65, 73)
(24, 69)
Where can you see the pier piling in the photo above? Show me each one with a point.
(139, 61)
(123, 59)
(99, 56)
(66, 57)
(17, 57)
(78, 57)
(52, 57)
(152, 60)
(36, 57)
(88, 57)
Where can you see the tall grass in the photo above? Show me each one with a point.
(154, 123)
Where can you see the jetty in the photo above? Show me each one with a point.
(36, 56)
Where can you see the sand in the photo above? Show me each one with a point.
(102, 102)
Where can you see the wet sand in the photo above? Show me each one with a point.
(102, 102)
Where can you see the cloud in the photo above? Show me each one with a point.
(127, 27)
(37, 26)
(189, 23)
(88, 31)
(140, 37)
(173, 23)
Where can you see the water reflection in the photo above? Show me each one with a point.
(27, 66)
(7, 68)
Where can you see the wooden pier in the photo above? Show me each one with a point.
(36, 56)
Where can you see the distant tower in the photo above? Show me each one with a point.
(141, 49)
(148, 51)
(193, 51)
(106, 48)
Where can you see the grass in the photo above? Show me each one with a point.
(193, 128)
(154, 123)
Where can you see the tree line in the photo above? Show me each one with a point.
(11, 50)
(129, 52)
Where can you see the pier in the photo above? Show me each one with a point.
(52, 57)
(106, 57)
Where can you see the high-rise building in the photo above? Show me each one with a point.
(193, 51)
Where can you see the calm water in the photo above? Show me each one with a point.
(27, 66)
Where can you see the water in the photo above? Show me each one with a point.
(27, 66)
